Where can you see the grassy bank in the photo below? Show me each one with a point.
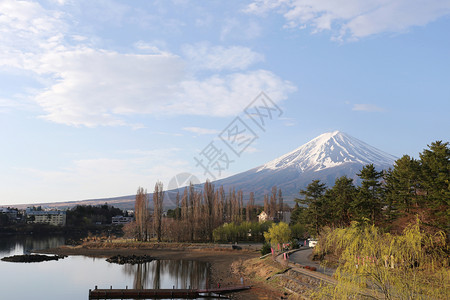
(278, 278)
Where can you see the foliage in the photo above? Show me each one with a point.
(278, 234)
(246, 231)
(413, 265)
(265, 249)
(298, 231)
(402, 186)
(85, 215)
(174, 213)
(369, 202)
(339, 201)
(385, 198)
(313, 199)
(4, 220)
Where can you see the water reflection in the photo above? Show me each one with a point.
(18, 245)
(160, 274)
(52, 280)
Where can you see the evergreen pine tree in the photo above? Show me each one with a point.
(340, 198)
(402, 185)
(314, 200)
(369, 202)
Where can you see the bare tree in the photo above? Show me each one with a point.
(178, 209)
(240, 201)
(250, 207)
(158, 198)
(141, 213)
(185, 214)
(273, 203)
(266, 204)
(280, 205)
(208, 200)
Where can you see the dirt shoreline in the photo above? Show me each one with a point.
(220, 259)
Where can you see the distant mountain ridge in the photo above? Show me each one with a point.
(326, 157)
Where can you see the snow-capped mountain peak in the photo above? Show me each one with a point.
(330, 150)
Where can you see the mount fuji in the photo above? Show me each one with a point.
(327, 157)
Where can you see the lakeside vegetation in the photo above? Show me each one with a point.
(389, 199)
(206, 215)
(390, 234)
(411, 265)
(81, 221)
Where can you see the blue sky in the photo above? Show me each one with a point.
(98, 98)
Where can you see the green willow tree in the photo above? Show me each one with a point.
(372, 264)
(278, 234)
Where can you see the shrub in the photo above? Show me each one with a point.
(265, 249)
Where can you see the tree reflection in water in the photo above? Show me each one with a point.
(168, 273)
(16, 245)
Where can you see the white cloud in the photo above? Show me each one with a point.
(201, 131)
(86, 86)
(26, 28)
(96, 87)
(204, 56)
(228, 95)
(288, 122)
(151, 48)
(251, 150)
(354, 19)
(91, 177)
(236, 29)
(6, 103)
(367, 107)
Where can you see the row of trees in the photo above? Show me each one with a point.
(245, 231)
(147, 225)
(86, 215)
(412, 186)
(198, 213)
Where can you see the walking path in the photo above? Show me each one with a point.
(299, 258)
(302, 257)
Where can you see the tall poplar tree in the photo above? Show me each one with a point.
(141, 213)
(158, 198)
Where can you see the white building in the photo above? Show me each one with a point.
(11, 213)
(312, 243)
(263, 217)
(52, 217)
(120, 220)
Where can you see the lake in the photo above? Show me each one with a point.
(72, 277)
